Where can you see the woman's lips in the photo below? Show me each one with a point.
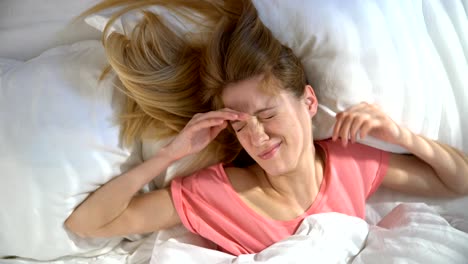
(270, 152)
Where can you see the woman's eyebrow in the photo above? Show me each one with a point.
(255, 113)
(263, 110)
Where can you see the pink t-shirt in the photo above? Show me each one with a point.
(208, 205)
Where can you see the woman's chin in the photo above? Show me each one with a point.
(276, 170)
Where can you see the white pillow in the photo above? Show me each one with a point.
(30, 27)
(58, 143)
(409, 58)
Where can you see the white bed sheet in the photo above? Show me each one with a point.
(128, 252)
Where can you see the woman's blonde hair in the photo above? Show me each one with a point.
(169, 75)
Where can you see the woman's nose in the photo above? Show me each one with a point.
(257, 133)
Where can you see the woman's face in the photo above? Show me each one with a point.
(278, 130)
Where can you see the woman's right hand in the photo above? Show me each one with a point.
(200, 131)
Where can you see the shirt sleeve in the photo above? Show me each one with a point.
(183, 210)
(193, 197)
(360, 169)
(373, 164)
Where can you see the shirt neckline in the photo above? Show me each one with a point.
(313, 207)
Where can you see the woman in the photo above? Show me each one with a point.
(259, 94)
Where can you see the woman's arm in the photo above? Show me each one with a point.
(111, 200)
(449, 165)
(114, 209)
(433, 169)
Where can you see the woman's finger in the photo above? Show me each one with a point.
(225, 114)
(366, 128)
(206, 123)
(342, 116)
(345, 129)
(214, 114)
(336, 129)
(356, 126)
(217, 129)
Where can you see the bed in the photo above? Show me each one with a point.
(58, 141)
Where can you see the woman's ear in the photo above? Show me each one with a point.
(310, 100)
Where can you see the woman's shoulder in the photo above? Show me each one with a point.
(235, 176)
(239, 179)
(334, 147)
(342, 156)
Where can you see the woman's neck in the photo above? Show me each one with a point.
(299, 187)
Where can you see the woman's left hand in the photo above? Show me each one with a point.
(365, 119)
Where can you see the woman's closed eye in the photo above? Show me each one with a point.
(239, 129)
(238, 126)
(266, 116)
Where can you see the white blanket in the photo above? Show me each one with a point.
(411, 233)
